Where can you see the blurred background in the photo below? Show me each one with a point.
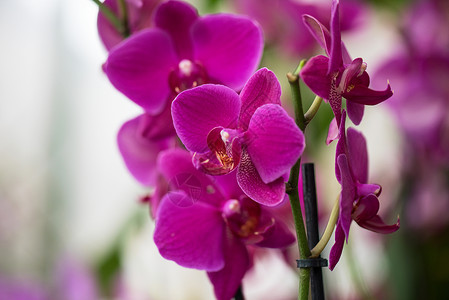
(72, 226)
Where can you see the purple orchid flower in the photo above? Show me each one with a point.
(182, 51)
(282, 23)
(141, 139)
(358, 199)
(138, 14)
(338, 76)
(213, 231)
(251, 133)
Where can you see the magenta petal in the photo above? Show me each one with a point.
(176, 166)
(319, 32)
(190, 236)
(366, 96)
(337, 248)
(249, 180)
(227, 280)
(314, 75)
(366, 189)
(335, 57)
(197, 111)
(332, 133)
(139, 68)
(156, 127)
(376, 224)
(349, 73)
(262, 88)
(358, 155)
(228, 46)
(273, 142)
(341, 144)
(176, 18)
(367, 207)
(277, 236)
(348, 193)
(355, 111)
(139, 152)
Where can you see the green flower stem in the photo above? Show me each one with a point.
(313, 109)
(304, 252)
(292, 190)
(119, 25)
(124, 13)
(316, 251)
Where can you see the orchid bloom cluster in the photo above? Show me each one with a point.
(420, 71)
(213, 140)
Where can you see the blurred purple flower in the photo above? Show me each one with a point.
(358, 199)
(426, 209)
(251, 133)
(182, 51)
(420, 71)
(213, 231)
(422, 94)
(138, 14)
(282, 23)
(75, 281)
(141, 139)
(338, 75)
(20, 290)
(425, 26)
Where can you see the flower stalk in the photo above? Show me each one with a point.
(304, 251)
(121, 25)
(313, 109)
(316, 251)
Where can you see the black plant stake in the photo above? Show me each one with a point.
(310, 204)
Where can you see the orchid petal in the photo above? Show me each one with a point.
(139, 152)
(182, 232)
(229, 186)
(314, 75)
(366, 189)
(333, 132)
(376, 224)
(269, 194)
(228, 46)
(319, 32)
(337, 248)
(367, 207)
(349, 73)
(177, 18)
(341, 144)
(335, 57)
(355, 111)
(366, 96)
(197, 111)
(358, 155)
(156, 127)
(276, 236)
(176, 166)
(262, 88)
(139, 68)
(348, 193)
(227, 280)
(273, 142)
